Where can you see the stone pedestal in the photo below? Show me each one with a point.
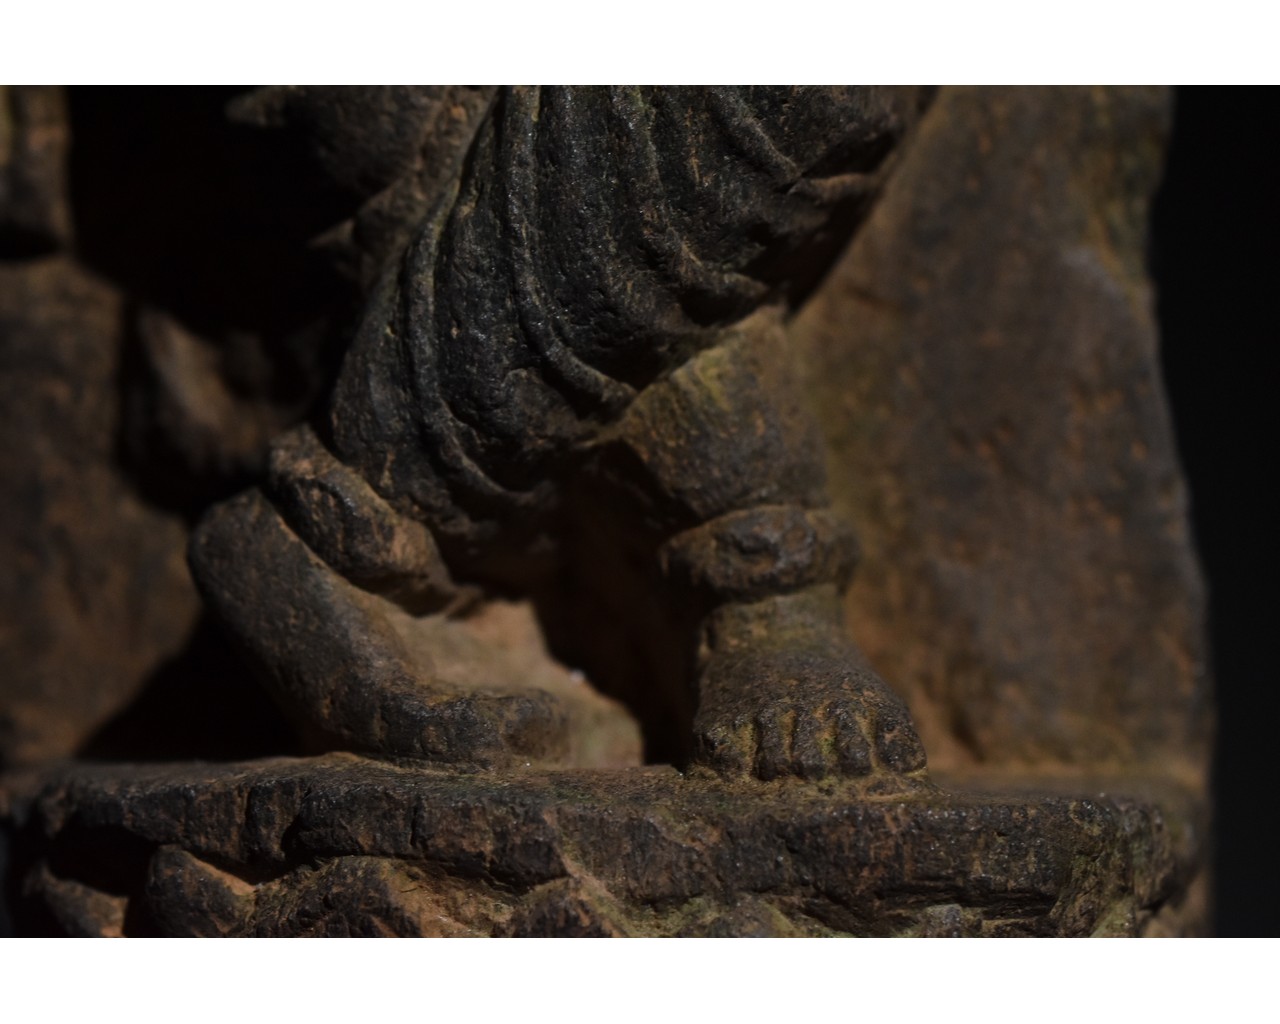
(340, 845)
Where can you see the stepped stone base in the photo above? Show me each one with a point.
(340, 845)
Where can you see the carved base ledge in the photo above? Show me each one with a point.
(340, 845)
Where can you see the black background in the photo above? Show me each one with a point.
(1215, 230)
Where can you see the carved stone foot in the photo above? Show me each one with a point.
(496, 696)
(783, 693)
(435, 724)
(804, 713)
(352, 669)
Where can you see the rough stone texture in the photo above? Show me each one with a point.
(95, 593)
(345, 846)
(985, 358)
(525, 379)
(590, 309)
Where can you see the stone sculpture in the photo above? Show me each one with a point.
(596, 298)
(583, 380)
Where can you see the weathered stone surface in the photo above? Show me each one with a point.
(593, 299)
(345, 846)
(525, 379)
(985, 361)
(95, 593)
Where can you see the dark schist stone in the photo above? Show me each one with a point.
(341, 845)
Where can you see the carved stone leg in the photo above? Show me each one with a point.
(348, 662)
(782, 688)
(725, 447)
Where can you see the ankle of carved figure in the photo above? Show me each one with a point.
(808, 619)
(760, 552)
